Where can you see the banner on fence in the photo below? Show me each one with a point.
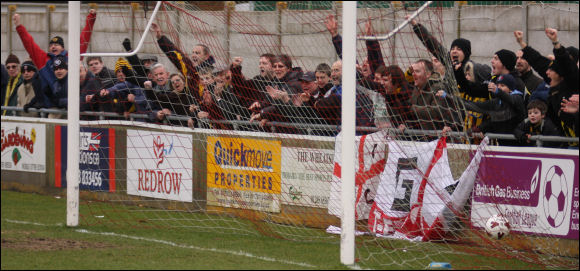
(96, 158)
(306, 176)
(244, 173)
(537, 193)
(159, 165)
(23, 147)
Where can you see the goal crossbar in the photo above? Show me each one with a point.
(138, 48)
(398, 28)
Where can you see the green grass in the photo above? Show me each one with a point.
(34, 237)
(164, 248)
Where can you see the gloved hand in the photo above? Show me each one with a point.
(127, 44)
(26, 107)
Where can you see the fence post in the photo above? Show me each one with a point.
(49, 10)
(230, 5)
(525, 20)
(11, 10)
(280, 6)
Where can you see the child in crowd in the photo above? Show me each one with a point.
(506, 109)
(536, 124)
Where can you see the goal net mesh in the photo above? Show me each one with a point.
(249, 141)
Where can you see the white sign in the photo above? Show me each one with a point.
(159, 165)
(23, 147)
(306, 176)
(537, 193)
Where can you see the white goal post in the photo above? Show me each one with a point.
(73, 151)
(347, 238)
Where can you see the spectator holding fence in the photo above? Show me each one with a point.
(57, 94)
(506, 109)
(9, 94)
(397, 94)
(536, 124)
(89, 92)
(127, 96)
(251, 92)
(329, 106)
(209, 109)
(106, 76)
(30, 82)
(431, 113)
(178, 100)
(225, 98)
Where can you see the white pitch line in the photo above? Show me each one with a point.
(32, 223)
(236, 253)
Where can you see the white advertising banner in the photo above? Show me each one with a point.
(23, 147)
(159, 165)
(306, 176)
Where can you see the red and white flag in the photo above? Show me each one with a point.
(371, 157)
(417, 188)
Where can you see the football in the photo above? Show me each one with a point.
(497, 227)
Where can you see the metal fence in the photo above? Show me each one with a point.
(309, 129)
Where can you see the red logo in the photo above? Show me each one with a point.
(158, 149)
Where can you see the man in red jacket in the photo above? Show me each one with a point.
(40, 57)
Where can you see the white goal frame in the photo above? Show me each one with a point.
(73, 110)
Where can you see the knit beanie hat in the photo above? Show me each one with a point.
(556, 67)
(464, 45)
(121, 62)
(57, 40)
(507, 58)
(508, 80)
(60, 63)
(28, 66)
(12, 59)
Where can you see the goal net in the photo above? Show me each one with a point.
(236, 130)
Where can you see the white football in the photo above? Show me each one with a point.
(497, 227)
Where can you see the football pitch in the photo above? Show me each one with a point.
(34, 236)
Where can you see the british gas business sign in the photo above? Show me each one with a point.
(244, 173)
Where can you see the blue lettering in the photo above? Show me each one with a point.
(243, 161)
(217, 151)
(236, 154)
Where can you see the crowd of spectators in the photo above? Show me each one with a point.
(523, 93)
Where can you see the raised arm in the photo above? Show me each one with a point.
(332, 27)
(430, 42)
(375, 56)
(179, 60)
(38, 56)
(87, 31)
(538, 62)
(562, 55)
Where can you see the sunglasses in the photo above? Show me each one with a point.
(11, 67)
